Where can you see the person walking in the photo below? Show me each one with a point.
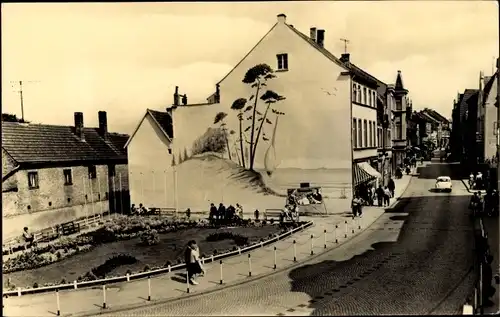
(392, 186)
(193, 263)
(355, 204)
(380, 195)
(387, 196)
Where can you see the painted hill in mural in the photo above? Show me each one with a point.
(207, 178)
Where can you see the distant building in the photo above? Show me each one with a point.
(464, 128)
(486, 117)
(400, 112)
(58, 173)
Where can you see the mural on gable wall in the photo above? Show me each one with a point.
(257, 143)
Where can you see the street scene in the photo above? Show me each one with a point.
(157, 163)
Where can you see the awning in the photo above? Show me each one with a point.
(370, 170)
(360, 175)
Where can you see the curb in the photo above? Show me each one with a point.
(472, 191)
(228, 285)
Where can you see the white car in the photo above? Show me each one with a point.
(443, 183)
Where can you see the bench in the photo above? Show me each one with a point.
(47, 235)
(69, 228)
(279, 214)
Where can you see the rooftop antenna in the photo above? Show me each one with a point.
(20, 91)
(346, 41)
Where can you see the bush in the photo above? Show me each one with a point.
(213, 140)
(150, 237)
(35, 285)
(146, 268)
(216, 252)
(168, 264)
(63, 281)
(112, 263)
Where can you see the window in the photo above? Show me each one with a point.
(359, 94)
(360, 134)
(379, 137)
(111, 170)
(374, 98)
(354, 92)
(399, 105)
(33, 180)
(92, 172)
(370, 99)
(365, 129)
(282, 61)
(374, 133)
(68, 177)
(389, 140)
(354, 133)
(371, 134)
(399, 129)
(364, 95)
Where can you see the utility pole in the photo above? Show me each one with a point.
(20, 91)
(346, 41)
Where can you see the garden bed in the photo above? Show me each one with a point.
(73, 258)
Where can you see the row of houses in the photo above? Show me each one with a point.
(473, 135)
(428, 130)
(336, 116)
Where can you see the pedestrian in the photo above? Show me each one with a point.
(221, 211)
(213, 213)
(256, 214)
(239, 210)
(387, 196)
(28, 237)
(392, 186)
(371, 194)
(494, 202)
(188, 213)
(193, 263)
(380, 195)
(355, 204)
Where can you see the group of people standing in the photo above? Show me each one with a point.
(367, 194)
(476, 181)
(223, 214)
(487, 205)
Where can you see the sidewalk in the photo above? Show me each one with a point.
(171, 286)
(466, 184)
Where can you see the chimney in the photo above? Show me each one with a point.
(312, 34)
(281, 18)
(79, 125)
(184, 99)
(176, 96)
(103, 124)
(217, 93)
(344, 58)
(321, 37)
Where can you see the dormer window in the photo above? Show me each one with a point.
(282, 61)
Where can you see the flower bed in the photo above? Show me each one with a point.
(77, 254)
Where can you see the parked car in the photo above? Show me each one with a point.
(443, 183)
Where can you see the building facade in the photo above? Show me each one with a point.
(400, 112)
(52, 174)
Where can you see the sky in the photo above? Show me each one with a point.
(126, 57)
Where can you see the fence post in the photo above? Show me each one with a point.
(58, 303)
(128, 277)
(104, 296)
(18, 291)
(294, 251)
(169, 268)
(249, 265)
(312, 244)
(475, 300)
(149, 288)
(212, 258)
(353, 225)
(359, 225)
(239, 250)
(187, 280)
(345, 236)
(221, 279)
(324, 238)
(275, 258)
(335, 233)
(481, 308)
(75, 284)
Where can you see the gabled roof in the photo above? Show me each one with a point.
(464, 99)
(324, 51)
(162, 119)
(434, 114)
(41, 143)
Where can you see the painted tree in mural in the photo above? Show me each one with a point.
(257, 77)
(235, 147)
(238, 105)
(219, 119)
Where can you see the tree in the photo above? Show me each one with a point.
(213, 140)
(186, 156)
(238, 105)
(7, 117)
(219, 119)
(257, 77)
